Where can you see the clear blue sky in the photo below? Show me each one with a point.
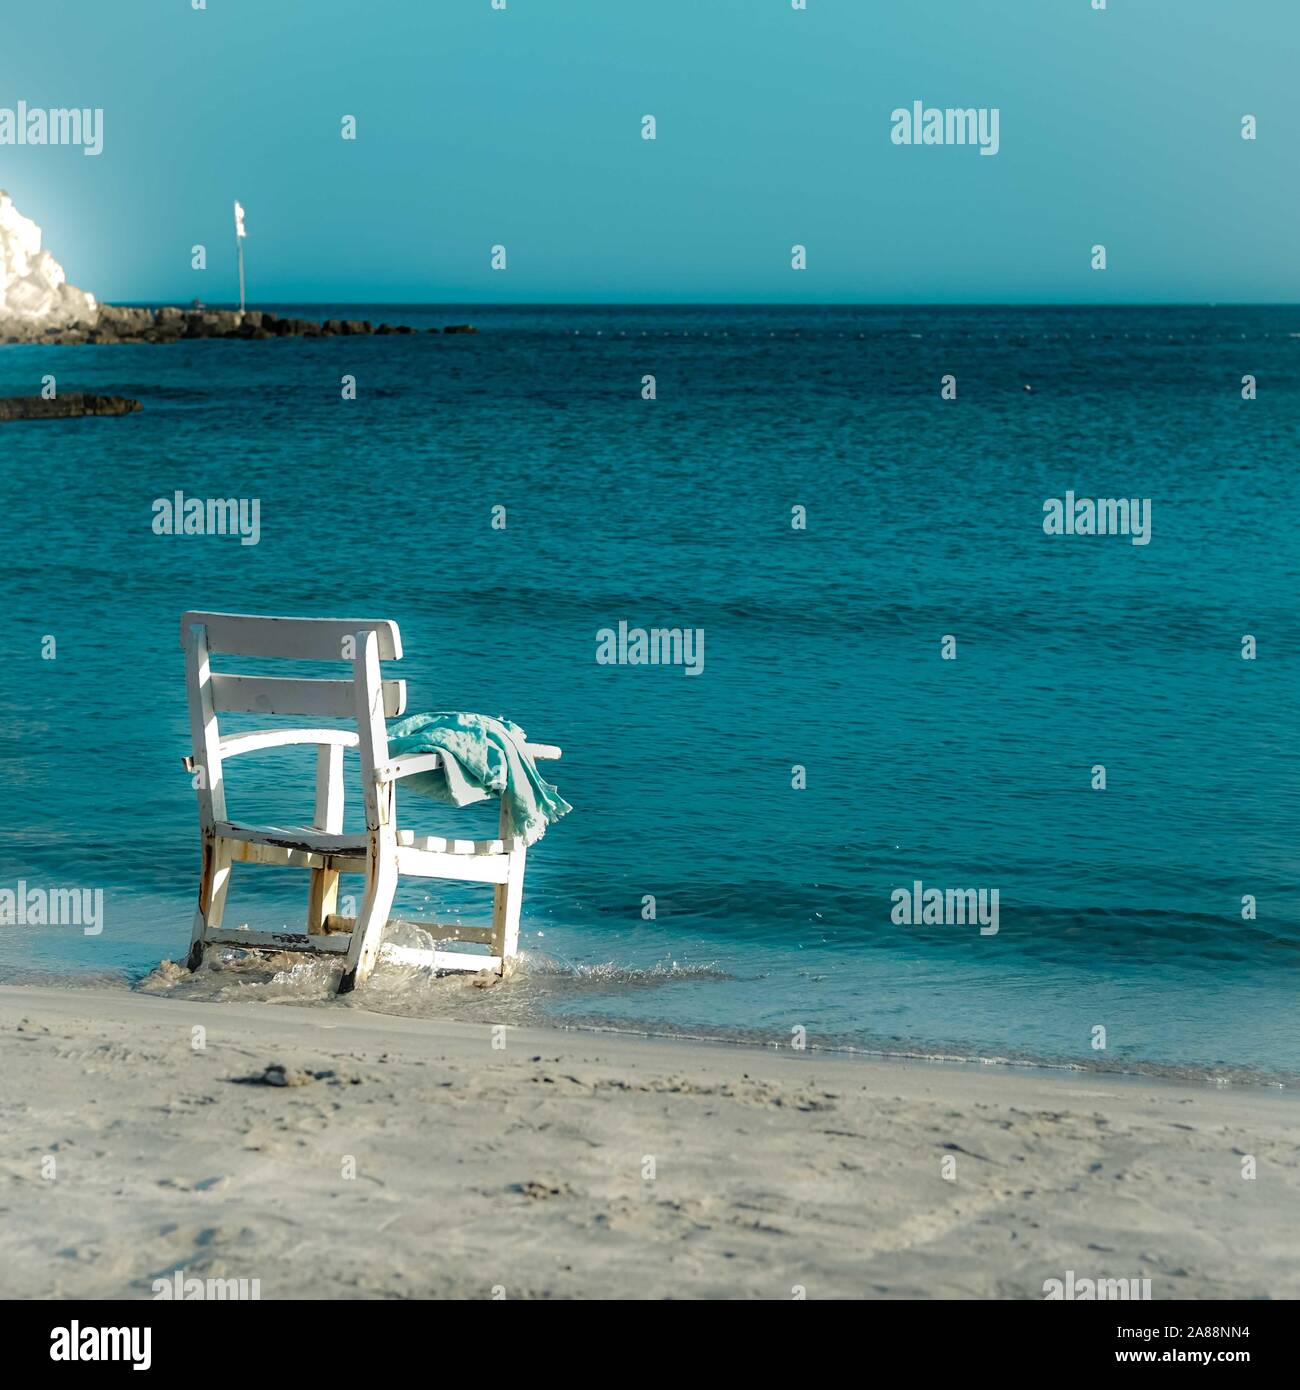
(523, 127)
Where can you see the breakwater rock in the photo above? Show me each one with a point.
(112, 323)
(64, 407)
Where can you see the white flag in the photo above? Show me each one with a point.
(239, 221)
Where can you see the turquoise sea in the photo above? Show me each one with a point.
(1120, 908)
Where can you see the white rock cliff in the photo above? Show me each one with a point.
(34, 291)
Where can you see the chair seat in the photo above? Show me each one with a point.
(297, 837)
(309, 840)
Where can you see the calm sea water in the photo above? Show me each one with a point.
(1120, 908)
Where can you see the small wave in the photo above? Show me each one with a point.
(1216, 1074)
(230, 973)
(610, 973)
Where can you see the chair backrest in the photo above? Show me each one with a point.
(363, 696)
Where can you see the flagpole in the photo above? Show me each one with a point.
(239, 247)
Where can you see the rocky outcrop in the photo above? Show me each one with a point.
(64, 407)
(34, 291)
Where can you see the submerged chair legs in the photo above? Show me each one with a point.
(214, 880)
(368, 930)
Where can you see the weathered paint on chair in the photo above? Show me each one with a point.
(383, 852)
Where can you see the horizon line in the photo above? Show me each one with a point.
(730, 303)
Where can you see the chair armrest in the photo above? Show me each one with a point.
(397, 768)
(234, 744)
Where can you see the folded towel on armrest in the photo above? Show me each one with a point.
(482, 757)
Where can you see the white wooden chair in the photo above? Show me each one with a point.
(382, 852)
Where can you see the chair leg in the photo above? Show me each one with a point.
(322, 899)
(213, 882)
(324, 895)
(507, 903)
(368, 930)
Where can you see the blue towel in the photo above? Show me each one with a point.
(490, 760)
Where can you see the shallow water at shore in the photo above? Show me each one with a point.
(669, 1000)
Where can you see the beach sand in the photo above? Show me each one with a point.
(569, 1164)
